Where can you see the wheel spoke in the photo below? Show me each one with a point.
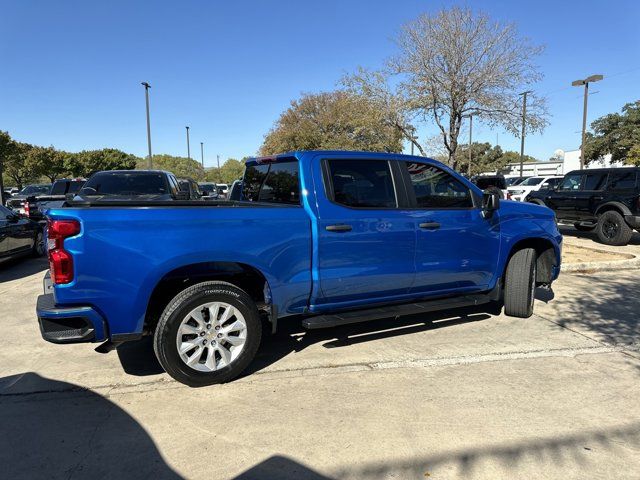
(225, 354)
(235, 341)
(234, 327)
(214, 311)
(188, 345)
(186, 329)
(197, 316)
(195, 356)
(228, 313)
(210, 362)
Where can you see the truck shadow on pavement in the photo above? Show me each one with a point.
(56, 429)
(570, 231)
(53, 429)
(138, 358)
(17, 268)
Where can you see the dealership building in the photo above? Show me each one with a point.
(567, 161)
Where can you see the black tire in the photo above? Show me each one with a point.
(520, 284)
(38, 249)
(166, 332)
(611, 229)
(584, 228)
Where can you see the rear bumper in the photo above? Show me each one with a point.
(633, 221)
(76, 324)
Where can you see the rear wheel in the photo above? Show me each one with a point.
(209, 333)
(520, 284)
(612, 229)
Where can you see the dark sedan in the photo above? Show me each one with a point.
(19, 236)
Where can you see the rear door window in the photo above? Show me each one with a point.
(362, 183)
(622, 180)
(272, 183)
(595, 181)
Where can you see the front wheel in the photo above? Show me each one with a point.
(520, 284)
(38, 245)
(209, 333)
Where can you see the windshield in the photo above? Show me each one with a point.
(532, 181)
(35, 189)
(147, 183)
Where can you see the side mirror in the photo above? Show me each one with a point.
(181, 195)
(490, 202)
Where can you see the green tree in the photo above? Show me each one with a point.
(87, 162)
(514, 157)
(47, 162)
(332, 120)
(16, 166)
(617, 134)
(484, 158)
(181, 167)
(453, 63)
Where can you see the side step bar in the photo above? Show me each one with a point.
(388, 311)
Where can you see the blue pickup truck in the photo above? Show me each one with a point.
(323, 237)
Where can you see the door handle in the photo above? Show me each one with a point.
(430, 225)
(338, 228)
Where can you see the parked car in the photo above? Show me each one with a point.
(190, 186)
(605, 200)
(209, 190)
(492, 183)
(19, 236)
(36, 206)
(520, 191)
(17, 201)
(124, 185)
(512, 181)
(329, 237)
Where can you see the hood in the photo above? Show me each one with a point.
(532, 210)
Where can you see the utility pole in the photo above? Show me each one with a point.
(585, 82)
(188, 147)
(470, 117)
(524, 122)
(219, 172)
(146, 95)
(202, 153)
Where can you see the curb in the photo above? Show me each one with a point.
(632, 261)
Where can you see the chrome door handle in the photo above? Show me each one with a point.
(430, 225)
(338, 228)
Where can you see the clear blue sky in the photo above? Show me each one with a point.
(70, 71)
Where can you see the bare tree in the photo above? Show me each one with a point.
(451, 64)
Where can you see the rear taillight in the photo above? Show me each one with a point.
(509, 196)
(27, 209)
(60, 261)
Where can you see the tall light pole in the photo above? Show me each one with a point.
(202, 153)
(188, 146)
(470, 117)
(146, 95)
(524, 123)
(219, 172)
(585, 82)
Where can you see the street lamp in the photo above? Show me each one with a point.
(524, 123)
(202, 153)
(146, 95)
(470, 117)
(188, 147)
(585, 82)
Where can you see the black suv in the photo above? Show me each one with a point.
(604, 199)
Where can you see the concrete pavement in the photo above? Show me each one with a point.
(463, 394)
